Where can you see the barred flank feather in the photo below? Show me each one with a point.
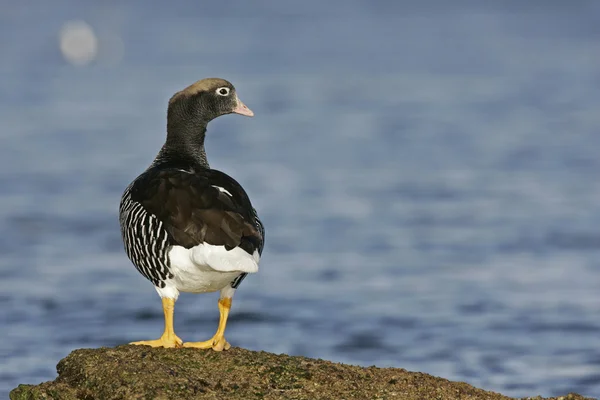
(145, 239)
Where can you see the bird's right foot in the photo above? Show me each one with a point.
(217, 343)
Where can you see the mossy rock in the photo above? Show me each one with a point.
(140, 372)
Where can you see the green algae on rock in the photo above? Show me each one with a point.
(141, 372)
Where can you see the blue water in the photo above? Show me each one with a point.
(427, 175)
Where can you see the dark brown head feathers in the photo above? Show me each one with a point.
(204, 85)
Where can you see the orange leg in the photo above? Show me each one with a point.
(168, 338)
(217, 342)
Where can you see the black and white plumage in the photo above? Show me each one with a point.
(187, 227)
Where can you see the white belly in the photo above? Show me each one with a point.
(205, 268)
(200, 281)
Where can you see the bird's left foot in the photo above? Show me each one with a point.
(163, 341)
(216, 343)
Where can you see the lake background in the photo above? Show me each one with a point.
(426, 172)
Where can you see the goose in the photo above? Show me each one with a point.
(187, 227)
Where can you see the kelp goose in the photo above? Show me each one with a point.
(187, 227)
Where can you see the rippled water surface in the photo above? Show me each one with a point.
(427, 176)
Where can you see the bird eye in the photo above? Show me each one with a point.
(224, 91)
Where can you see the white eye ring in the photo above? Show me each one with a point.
(223, 91)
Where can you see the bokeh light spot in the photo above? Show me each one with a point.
(78, 43)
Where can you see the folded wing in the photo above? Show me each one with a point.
(208, 213)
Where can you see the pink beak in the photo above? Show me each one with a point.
(242, 109)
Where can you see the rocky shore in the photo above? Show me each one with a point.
(140, 372)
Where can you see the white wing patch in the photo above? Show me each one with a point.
(208, 257)
(223, 260)
(206, 268)
(222, 190)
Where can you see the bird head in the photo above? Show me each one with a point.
(207, 99)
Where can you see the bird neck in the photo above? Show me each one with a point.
(185, 143)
